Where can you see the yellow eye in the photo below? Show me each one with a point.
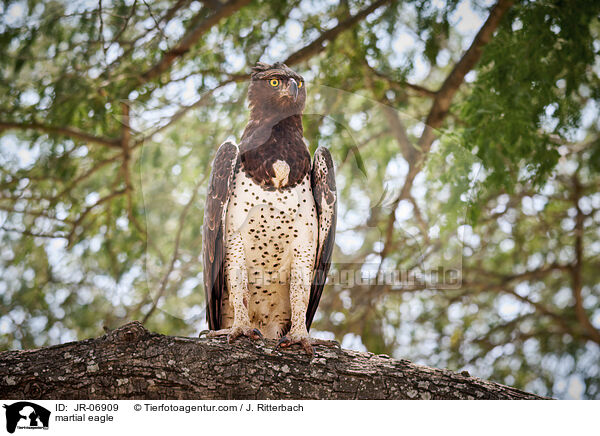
(299, 84)
(274, 82)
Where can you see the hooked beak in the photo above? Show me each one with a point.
(293, 89)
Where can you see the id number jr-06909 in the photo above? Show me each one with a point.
(96, 407)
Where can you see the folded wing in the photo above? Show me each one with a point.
(213, 230)
(324, 192)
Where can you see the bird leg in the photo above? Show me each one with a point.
(300, 282)
(237, 278)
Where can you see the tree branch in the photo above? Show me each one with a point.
(66, 131)
(83, 214)
(442, 101)
(26, 232)
(420, 90)
(469, 59)
(318, 44)
(132, 362)
(538, 306)
(576, 274)
(200, 24)
(126, 167)
(163, 283)
(204, 99)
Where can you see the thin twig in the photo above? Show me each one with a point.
(165, 278)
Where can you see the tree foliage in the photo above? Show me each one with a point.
(465, 137)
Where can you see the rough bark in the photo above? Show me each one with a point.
(133, 363)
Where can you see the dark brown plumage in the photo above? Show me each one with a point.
(219, 184)
(324, 192)
(274, 131)
(285, 144)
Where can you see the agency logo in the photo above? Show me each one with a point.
(26, 415)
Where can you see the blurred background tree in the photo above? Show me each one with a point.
(474, 122)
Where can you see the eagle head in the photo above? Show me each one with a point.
(276, 90)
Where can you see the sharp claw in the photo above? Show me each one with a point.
(253, 334)
(233, 336)
(203, 332)
(310, 350)
(283, 342)
(305, 343)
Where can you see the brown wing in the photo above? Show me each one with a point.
(323, 189)
(213, 230)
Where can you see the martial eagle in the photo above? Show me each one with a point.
(269, 219)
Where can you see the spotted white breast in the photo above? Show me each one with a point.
(268, 232)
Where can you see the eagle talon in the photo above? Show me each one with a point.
(283, 343)
(253, 334)
(257, 334)
(286, 342)
(233, 333)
